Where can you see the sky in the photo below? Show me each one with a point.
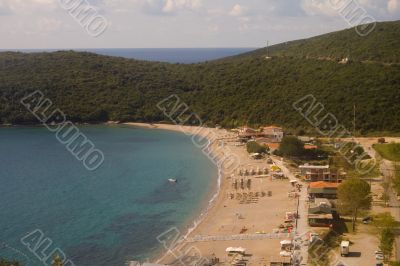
(44, 24)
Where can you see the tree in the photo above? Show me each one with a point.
(386, 223)
(386, 244)
(254, 147)
(291, 147)
(385, 195)
(385, 220)
(354, 195)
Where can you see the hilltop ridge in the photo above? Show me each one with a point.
(245, 89)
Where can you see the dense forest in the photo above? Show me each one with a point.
(245, 89)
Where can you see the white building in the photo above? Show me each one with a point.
(274, 133)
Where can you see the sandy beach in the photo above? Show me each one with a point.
(254, 213)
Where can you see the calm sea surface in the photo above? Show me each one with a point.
(107, 216)
(171, 55)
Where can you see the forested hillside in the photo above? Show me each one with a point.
(382, 45)
(247, 89)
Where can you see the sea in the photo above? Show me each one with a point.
(170, 55)
(103, 217)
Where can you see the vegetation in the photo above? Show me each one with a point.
(57, 261)
(254, 147)
(386, 224)
(339, 45)
(354, 194)
(389, 151)
(386, 192)
(4, 262)
(351, 158)
(246, 89)
(385, 220)
(386, 243)
(292, 147)
(396, 180)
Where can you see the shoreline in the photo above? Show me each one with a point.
(249, 216)
(209, 203)
(369, 135)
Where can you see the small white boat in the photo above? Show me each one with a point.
(173, 180)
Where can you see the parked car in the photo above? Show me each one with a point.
(367, 220)
(379, 255)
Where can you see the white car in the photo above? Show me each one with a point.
(379, 255)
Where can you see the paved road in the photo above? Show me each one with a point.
(302, 224)
(388, 171)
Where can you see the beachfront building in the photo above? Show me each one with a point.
(246, 133)
(320, 220)
(270, 134)
(273, 133)
(320, 213)
(321, 189)
(315, 173)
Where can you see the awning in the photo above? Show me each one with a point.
(239, 250)
(286, 242)
(320, 216)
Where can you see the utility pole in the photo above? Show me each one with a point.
(354, 121)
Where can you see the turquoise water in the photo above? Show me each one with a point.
(107, 216)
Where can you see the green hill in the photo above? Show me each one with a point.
(247, 89)
(382, 45)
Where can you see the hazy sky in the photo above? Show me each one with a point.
(176, 23)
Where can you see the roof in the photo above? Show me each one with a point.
(320, 206)
(322, 201)
(310, 147)
(273, 127)
(272, 146)
(322, 184)
(345, 244)
(314, 166)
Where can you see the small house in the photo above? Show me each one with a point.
(322, 189)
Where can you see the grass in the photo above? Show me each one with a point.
(371, 165)
(389, 151)
(396, 180)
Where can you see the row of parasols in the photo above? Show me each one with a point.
(241, 184)
(258, 171)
